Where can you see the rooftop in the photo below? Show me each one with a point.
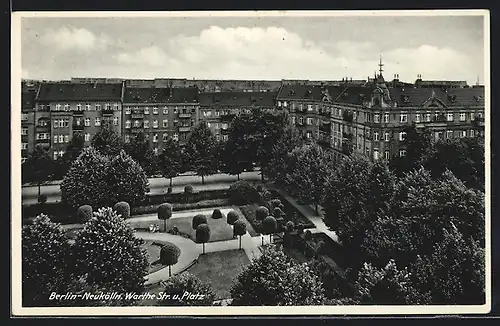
(80, 92)
(161, 95)
(265, 99)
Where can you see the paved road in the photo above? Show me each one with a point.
(156, 185)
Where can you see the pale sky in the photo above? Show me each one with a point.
(275, 48)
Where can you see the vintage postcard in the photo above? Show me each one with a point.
(251, 163)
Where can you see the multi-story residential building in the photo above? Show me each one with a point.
(160, 113)
(371, 119)
(27, 122)
(217, 109)
(65, 109)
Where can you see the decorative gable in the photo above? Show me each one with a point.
(433, 102)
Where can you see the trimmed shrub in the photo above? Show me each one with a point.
(217, 214)
(232, 217)
(290, 226)
(269, 225)
(199, 219)
(277, 212)
(266, 195)
(188, 189)
(122, 208)
(169, 255)
(164, 213)
(84, 213)
(240, 228)
(261, 213)
(242, 193)
(42, 199)
(275, 203)
(203, 234)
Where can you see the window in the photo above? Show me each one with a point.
(66, 107)
(56, 123)
(449, 134)
(207, 113)
(285, 104)
(375, 154)
(472, 116)
(386, 155)
(375, 136)
(137, 123)
(309, 107)
(449, 117)
(24, 146)
(87, 106)
(209, 124)
(66, 138)
(87, 137)
(293, 120)
(98, 107)
(176, 110)
(417, 117)
(308, 135)
(127, 138)
(79, 106)
(128, 110)
(402, 136)
(403, 118)
(97, 122)
(279, 103)
(146, 110)
(471, 133)
(165, 137)
(386, 136)
(217, 137)
(480, 115)
(87, 122)
(107, 106)
(42, 135)
(127, 124)
(165, 110)
(386, 117)
(24, 117)
(376, 118)
(56, 139)
(165, 123)
(309, 121)
(462, 116)
(224, 137)
(427, 117)
(301, 121)
(155, 138)
(155, 123)
(115, 121)
(402, 152)
(115, 106)
(463, 133)
(155, 110)
(175, 137)
(24, 131)
(58, 107)
(146, 123)
(340, 112)
(61, 139)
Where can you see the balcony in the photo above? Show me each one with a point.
(108, 112)
(77, 126)
(137, 116)
(185, 129)
(78, 113)
(136, 130)
(184, 115)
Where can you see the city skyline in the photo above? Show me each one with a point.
(259, 48)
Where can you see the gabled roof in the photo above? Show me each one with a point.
(79, 92)
(264, 99)
(408, 97)
(160, 95)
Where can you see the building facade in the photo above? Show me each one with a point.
(28, 97)
(65, 109)
(217, 109)
(160, 113)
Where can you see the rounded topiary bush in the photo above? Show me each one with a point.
(164, 213)
(266, 195)
(275, 203)
(261, 213)
(277, 212)
(232, 217)
(188, 189)
(290, 226)
(169, 255)
(122, 208)
(199, 219)
(84, 213)
(217, 214)
(269, 225)
(242, 193)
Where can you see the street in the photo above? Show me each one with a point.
(156, 185)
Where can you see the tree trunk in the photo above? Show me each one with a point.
(165, 226)
(169, 270)
(261, 175)
(262, 238)
(203, 247)
(240, 242)
(39, 188)
(202, 180)
(170, 182)
(317, 213)
(270, 239)
(238, 176)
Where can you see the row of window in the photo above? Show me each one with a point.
(426, 117)
(24, 117)
(81, 107)
(86, 122)
(387, 154)
(128, 110)
(175, 137)
(217, 113)
(300, 121)
(145, 123)
(217, 125)
(387, 136)
(61, 139)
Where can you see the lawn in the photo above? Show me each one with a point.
(220, 269)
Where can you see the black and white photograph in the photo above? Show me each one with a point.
(221, 163)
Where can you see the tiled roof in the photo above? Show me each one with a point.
(354, 95)
(160, 95)
(28, 100)
(306, 92)
(79, 92)
(407, 97)
(265, 99)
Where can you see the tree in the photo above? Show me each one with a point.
(86, 182)
(261, 213)
(164, 213)
(418, 145)
(110, 255)
(200, 149)
(139, 150)
(171, 159)
(38, 167)
(169, 255)
(269, 226)
(197, 220)
(84, 213)
(202, 234)
(217, 214)
(73, 150)
(186, 289)
(242, 193)
(45, 261)
(279, 167)
(274, 279)
(232, 217)
(126, 179)
(240, 228)
(107, 141)
(122, 208)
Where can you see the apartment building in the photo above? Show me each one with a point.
(63, 109)
(27, 122)
(217, 109)
(160, 113)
